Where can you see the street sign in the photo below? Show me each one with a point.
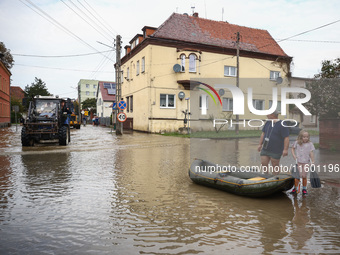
(114, 106)
(122, 105)
(86, 113)
(121, 117)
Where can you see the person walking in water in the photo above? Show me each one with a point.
(274, 142)
(303, 153)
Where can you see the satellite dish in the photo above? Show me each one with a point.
(279, 80)
(177, 68)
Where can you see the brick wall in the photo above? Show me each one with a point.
(330, 134)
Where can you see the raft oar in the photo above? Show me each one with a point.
(314, 178)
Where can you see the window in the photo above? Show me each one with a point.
(203, 101)
(94, 86)
(258, 104)
(94, 93)
(87, 93)
(274, 75)
(278, 108)
(137, 68)
(128, 73)
(312, 118)
(127, 104)
(182, 62)
(87, 86)
(143, 64)
(167, 101)
(227, 104)
(131, 103)
(230, 71)
(192, 63)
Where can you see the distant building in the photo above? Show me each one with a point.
(106, 96)
(17, 93)
(161, 64)
(5, 100)
(87, 89)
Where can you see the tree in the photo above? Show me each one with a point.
(325, 90)
(6, 56)
(329, 69)
(90, 103)
(38, 87)
(325, 94)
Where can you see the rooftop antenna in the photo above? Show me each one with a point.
(193, 9)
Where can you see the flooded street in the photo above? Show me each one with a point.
(104, 194)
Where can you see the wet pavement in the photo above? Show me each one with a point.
(104, 194)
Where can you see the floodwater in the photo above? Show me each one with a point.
(104, 194)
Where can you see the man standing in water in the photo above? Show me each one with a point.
(274, 142)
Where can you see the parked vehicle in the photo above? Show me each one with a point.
(74, 122)
(48, 119)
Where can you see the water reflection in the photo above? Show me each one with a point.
(46, 175)
(132, 195)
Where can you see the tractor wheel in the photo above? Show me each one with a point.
(25, 138)
(63, 135)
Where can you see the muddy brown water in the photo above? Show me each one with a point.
(104, 194)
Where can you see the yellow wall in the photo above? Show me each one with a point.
(159, 77)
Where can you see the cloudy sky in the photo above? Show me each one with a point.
(63, 41)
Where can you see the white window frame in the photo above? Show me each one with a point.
(182, 57)
(87, 93)
(143, 64)
(230, 71)
(313, 119)
(137, 67)
(274, 75)
(87, 86)
(94, 86)
(256, 104)
(200, 101)
(278, 107)
(227, 104)
(167, 101)
(192, 63)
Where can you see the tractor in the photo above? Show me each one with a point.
(48, 119)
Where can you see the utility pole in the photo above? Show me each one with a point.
(237, 74)
(119, 125)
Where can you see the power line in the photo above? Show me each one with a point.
(98, 15)
(61, 69)
(60, 56)
(57, 24)
(305, 32)
(108, 38)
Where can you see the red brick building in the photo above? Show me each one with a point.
(17, 93)
(5, 100)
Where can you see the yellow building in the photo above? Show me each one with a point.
(166, 70)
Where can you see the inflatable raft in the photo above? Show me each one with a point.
(244, 183)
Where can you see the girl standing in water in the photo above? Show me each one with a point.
(303, 153)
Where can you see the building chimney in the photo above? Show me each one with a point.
(195, 15)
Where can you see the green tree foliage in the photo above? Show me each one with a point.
(38, 87)
(6, 56)
(90, 103)
(325, 94)
(329, 69)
